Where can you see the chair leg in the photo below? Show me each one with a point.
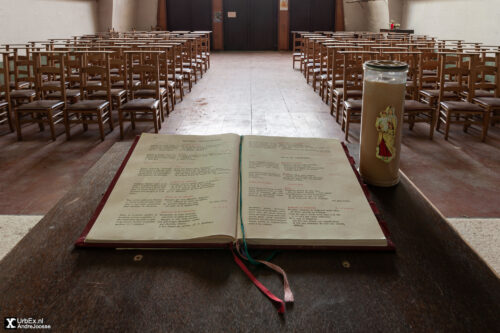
(66, 125)
(120, 122)
(486, 122)
(155, 119)
(99, 122)
(337, 109)
(331, 101)
(431, 125)
(447, 125)
(172, 97)
(51, 124)
(347, 122)
(162, 108)
(110, 120)
(9, 120)
(132, 119)
(18, 125)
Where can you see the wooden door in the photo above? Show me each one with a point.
(311, 15)
(250, 24)
(189, 15)
(236, 25)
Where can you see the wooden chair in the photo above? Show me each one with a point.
(92, 64)
(352, 91)
(489, 81)
(297, 48)
(173, 61)
(147, 90)
(463, 111)
(164, 58)
(414, 110)
(22, 89)
(182, 66)
(428, 79)
(338, 94)
(5, 102)
(205, 47)
(117, 73)
(43, 111)
(148, 109)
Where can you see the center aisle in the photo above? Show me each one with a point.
(252, 93)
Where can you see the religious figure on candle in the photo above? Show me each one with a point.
(386, 125)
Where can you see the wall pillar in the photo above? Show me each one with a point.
(161, 18)
(217, 25)
(283, 26)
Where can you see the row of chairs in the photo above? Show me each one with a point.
(442, 76)
(87, 79)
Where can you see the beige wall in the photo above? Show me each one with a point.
(475, 20)
(362, 15)
(146, 12)
(125, 15)
(25, 20)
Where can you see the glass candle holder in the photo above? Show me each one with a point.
(382, 121)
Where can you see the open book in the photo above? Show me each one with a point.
(189, 191)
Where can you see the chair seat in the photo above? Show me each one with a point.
(141, 93)
(141, 104)
(480, 93)
(89, 104)
(338, 83)
(488, 101)
(23, 93)
(412, 105)
(104, 94)
(429, 72)
(20, 85)
(119, 84)
(351, 93)
(54, 84)
(461, 106)
(89, 84)
(353, 104)
(435, 93)
(41, 105)
(169, 83)
(72, 93)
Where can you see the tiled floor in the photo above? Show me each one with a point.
(259, 93)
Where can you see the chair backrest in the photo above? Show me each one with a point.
(457, 68)
(353, 73)
(23, 66)
(487, 74)
(95, 66)
(5, 77)
(147, 65)
(413, 61)
(55, 71)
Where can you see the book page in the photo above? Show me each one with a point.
(300, 191)
(174, 188)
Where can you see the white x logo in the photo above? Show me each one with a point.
(10, 323)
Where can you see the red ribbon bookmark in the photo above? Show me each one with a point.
(277, 302)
